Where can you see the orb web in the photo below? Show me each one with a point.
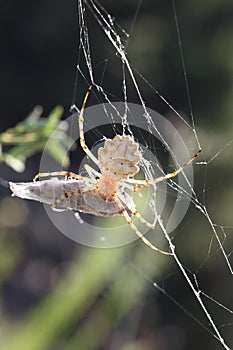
(105, 50)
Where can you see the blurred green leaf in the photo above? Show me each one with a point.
(30, 137)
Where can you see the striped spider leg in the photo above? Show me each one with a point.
(91, 172)
(129, 220)
(144, 183)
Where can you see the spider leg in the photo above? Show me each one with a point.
(134, 188)
(134, 228)
(136, 213)
(70, 194)
(146, 183)
(91, 172)
(62, 173)
(80, 122)
(140, 218)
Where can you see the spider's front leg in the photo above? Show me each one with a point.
(80, 122)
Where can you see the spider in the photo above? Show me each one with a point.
(118, 162)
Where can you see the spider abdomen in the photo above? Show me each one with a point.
(119, 158)
(119, 169)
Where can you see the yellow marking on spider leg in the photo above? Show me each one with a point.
(80, 122)
(139, 188)
(140, 218)
(135, 188)
(174, 173)
(86, 97)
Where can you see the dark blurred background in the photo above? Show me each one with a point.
(56, 294)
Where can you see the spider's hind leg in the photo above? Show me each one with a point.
(134, 212)
(134, 228)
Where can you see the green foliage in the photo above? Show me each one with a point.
(31, 136)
